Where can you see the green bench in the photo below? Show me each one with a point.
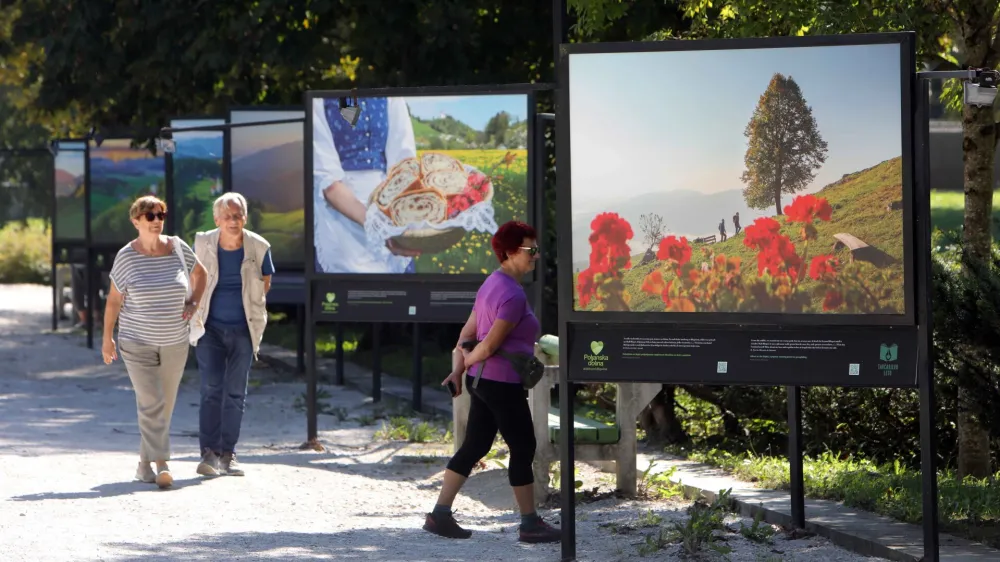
(585, 430)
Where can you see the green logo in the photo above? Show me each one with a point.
(888, 352)
(330, 297)
(596, 347)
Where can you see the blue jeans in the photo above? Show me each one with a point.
(225, 355)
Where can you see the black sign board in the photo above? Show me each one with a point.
(394, 301)
(803, 356)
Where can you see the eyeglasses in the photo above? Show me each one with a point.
(532, 250)
(158, 215)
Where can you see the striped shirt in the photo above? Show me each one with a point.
(155, 289)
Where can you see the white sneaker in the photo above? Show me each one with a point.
(163, 478)
(144, 473)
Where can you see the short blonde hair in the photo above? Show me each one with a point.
(145, 204)
(227, 199)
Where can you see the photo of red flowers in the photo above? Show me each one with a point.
(782, 195)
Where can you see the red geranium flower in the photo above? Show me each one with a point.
(822, 266)
(674, 249)
(805, 208)
(832, 300)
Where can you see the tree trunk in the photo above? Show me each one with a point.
(659, 418)
(978, 142)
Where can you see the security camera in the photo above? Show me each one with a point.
(167, 146)
(981, 91)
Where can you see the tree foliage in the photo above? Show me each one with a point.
(651, 226)
(784, 145)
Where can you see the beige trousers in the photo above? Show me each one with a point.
(156, 373)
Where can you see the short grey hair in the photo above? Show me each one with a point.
(225, 200)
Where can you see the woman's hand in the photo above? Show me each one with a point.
(189, 310)
(109, 351)
(456, 379)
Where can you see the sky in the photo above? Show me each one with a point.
(646, 122)
(182, 123)
(247, 140)
(72, 162)
(473, 110)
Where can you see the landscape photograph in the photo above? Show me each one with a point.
(468, 166)
(70, 177)
(197, 176)
(267, 169)
(119, 174)
(780, 194)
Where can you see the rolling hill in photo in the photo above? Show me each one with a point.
(866, 205)
(272, 180)
(117, 177)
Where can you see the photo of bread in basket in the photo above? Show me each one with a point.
(434, 187)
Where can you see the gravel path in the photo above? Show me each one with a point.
(67, 455)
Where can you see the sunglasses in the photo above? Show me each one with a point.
(531, 250)
(151, 215)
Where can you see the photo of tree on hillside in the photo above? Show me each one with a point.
(420, 184)
(119, 174)
(197, 176)
(267, 169)
(780, 195)
(70, 167)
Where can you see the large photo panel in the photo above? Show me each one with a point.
(197, 175)
(778, 189)
(419, 184)
(70, 165)
(120, 174)
(267, 169)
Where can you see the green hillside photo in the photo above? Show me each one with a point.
(865, 205)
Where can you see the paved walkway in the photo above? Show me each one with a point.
(68, 444)
(856, 530)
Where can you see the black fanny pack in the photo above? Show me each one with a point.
(526, 365)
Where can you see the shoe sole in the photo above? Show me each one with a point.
(164, 480)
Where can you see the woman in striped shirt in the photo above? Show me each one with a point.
(156, 283)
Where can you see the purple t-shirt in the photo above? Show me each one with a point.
(500, 296)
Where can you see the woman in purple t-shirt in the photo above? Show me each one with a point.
(500, 319)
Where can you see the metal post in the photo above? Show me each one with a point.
(340, 354)
(567, 467)
(796, 482)
(56, 300)
(376, 362)
(925, 371)
(309, 344)
(91, 296)
(300, 348)
(418, 369)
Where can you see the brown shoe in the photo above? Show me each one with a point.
(230, 466)
(210, 465)
(539, 532)
(163, 478)
(445, 526)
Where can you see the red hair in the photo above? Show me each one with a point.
(509, 237)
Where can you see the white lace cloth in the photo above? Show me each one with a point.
(379, 227)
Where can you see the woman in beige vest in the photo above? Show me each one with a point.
(227, 328)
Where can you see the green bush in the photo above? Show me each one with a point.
(26, 252)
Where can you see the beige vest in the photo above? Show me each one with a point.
(206, 247)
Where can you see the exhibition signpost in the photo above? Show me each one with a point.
(404, 189)
(771, 231)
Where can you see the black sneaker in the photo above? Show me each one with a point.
(540, 532)
(445, 526)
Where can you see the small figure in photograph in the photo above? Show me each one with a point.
(722, 230)
(227, 330)
(348, 164)
(156, 285)
(736, 223)
(501, 319)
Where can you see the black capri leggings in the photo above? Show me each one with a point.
(499, 406)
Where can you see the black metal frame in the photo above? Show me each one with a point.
(907, 64)
(535, 200)
(280, 262)
(169, 164)
(916, 202)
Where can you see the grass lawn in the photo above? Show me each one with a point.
(948, 211)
